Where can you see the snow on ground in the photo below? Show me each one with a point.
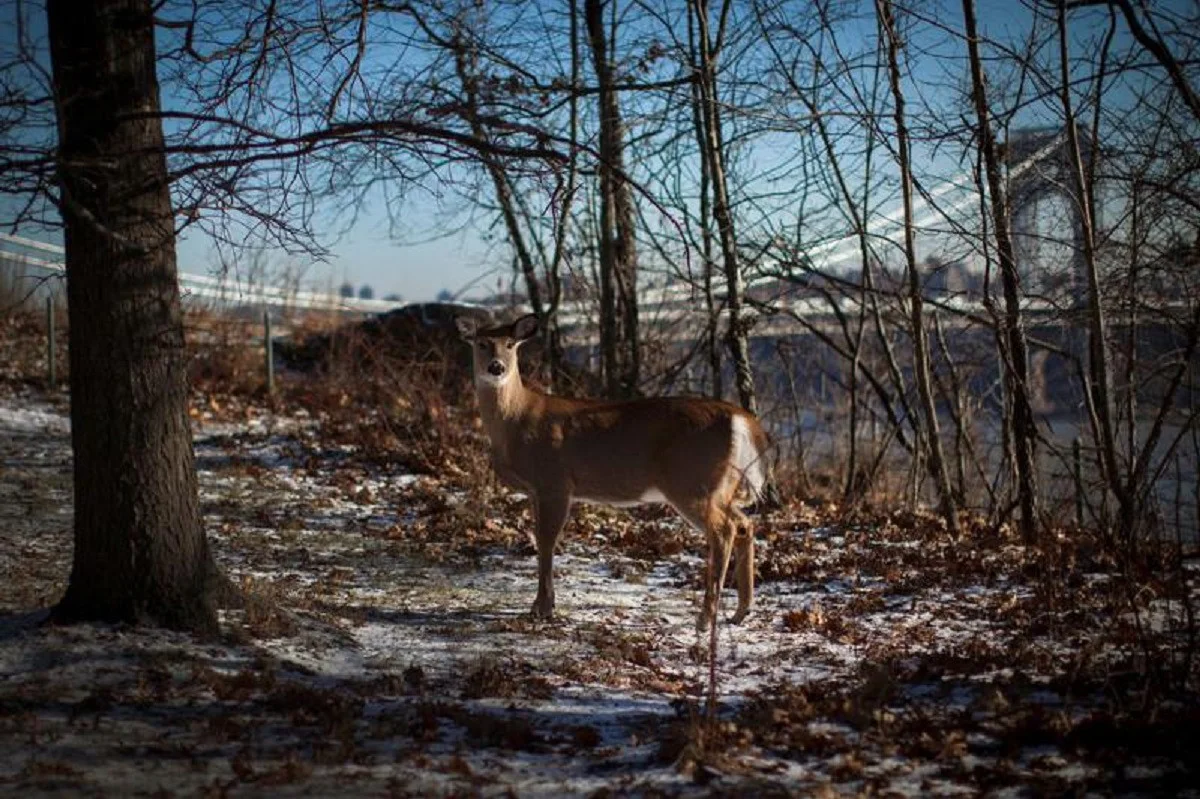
(43, 420)
(387, 649)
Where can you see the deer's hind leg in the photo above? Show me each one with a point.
(744, 542)
(710, 517)
(722, 533)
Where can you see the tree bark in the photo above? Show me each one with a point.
(619, 345)
(141, 555)
(712, 308)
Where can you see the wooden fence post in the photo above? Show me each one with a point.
(51, 367)
(269, 351)
(1077, 469)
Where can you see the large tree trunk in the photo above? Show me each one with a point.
(619, 345)
(140, 551)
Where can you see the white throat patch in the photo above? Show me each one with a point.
(492, 381)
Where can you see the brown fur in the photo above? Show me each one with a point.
(559, 450)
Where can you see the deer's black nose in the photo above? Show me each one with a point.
(495, 368)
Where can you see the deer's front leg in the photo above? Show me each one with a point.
(721, 533)
(506, 474)
(550, 508)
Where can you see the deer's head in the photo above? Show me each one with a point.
(495, 348)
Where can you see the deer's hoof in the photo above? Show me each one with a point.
(740, 616)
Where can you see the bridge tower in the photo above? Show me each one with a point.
(1046, 221)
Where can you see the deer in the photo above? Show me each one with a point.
(695, 454)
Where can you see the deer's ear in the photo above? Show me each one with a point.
(525, 328)
(467, 327)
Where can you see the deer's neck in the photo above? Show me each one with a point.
(504, 404)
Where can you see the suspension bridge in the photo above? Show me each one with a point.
(945, 220)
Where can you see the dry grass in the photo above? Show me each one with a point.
(23, 349)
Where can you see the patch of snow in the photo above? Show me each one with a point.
(37, 418)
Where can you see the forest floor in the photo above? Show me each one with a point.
(387, 648)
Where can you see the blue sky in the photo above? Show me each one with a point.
(415, 267)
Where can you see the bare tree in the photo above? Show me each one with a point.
(712, 306)
(618, 249)
(1014, 351)
(140, 550)
(920, 342)
(1128, 467)
(854, 205)
(1147, 37)
(476, 94)
(713, 154)
(1099, 389)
